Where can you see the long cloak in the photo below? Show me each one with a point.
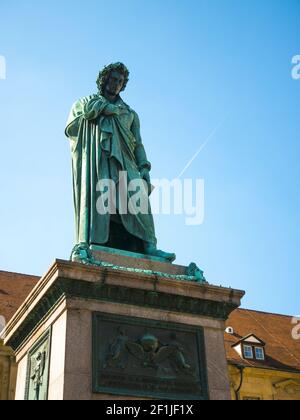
(101, 147)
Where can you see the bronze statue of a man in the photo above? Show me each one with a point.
(105, 141)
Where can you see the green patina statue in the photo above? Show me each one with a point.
(105, 141)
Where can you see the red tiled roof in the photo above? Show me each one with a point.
(282, 351)
(14, 288)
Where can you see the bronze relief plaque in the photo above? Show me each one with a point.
(147, 358)
(38, 369)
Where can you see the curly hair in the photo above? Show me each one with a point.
(105, 73)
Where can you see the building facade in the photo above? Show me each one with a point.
(263, 354)
(14, 288)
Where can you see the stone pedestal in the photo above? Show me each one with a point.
(130, 329)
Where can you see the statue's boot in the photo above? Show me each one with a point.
(151, 249)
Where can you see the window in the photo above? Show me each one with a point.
(251, 348)
(248, 352)
(259, 353)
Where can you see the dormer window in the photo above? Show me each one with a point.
(251, 348)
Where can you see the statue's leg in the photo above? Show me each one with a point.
(120, 238)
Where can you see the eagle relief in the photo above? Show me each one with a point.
(144, 357)
(147, 352)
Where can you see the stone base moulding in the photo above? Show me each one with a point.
(84, 326)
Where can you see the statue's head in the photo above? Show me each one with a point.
(114, 77)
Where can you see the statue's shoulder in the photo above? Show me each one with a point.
(78, 106)
(77, 109)
(85, 100)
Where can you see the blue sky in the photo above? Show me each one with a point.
(193, 65)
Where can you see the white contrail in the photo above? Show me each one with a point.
(202, 147)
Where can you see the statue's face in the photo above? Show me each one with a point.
(115, 83)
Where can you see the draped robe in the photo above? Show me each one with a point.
(101, 147)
